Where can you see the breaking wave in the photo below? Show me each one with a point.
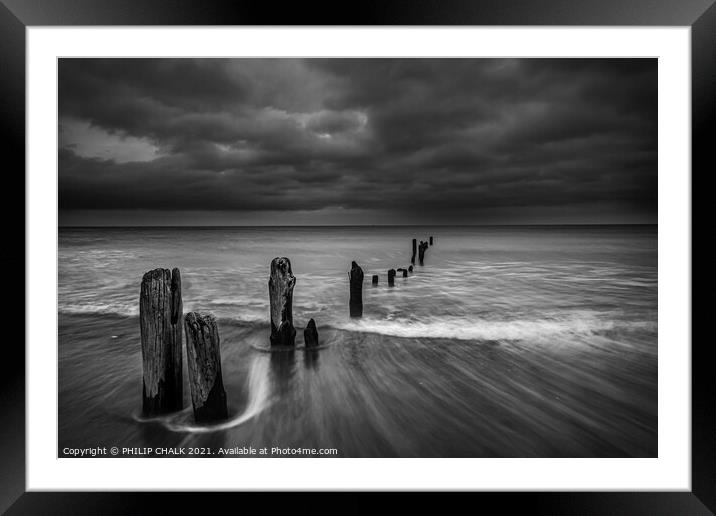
(465, 329)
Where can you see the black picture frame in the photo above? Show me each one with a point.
(17, 15)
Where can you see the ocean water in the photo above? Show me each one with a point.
(519, 341)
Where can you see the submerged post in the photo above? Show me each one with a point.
(310, 334)
(203, 354)
(281, 283)
(431, 240)
(356, 290)
(405, 272)
(412, 259)
(391, 277)
(160, 325)
(375, 279)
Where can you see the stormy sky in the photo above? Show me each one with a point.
(357, 141)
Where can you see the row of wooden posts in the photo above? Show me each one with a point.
(355, 276)
(162, 323)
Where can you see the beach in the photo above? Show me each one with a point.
(510, 341)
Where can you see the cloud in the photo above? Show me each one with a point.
(423, 138)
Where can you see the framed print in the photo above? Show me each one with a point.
(434, 250)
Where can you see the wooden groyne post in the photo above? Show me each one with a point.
(412, 258)
(375, 279)
(160, 323)
(281, 283)
(391, 277)
(310, 335)
(204, 360)
(410, 269)
(421, 251)
(355, 303)
(431, 240)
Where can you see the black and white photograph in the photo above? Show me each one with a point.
(357, 257)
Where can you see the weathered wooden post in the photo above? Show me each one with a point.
(391, 277)
(375, 279)
(410, 269)
(431, 240)
(281, 283)
(412, 259)
(405, 272)
(421, 252)
(356, 289)
(310, 334)
(160, 324)
(204, 360)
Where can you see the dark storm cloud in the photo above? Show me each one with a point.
(415, 136)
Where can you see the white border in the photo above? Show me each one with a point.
(670, 471)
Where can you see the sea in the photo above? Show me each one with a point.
(509, 341)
